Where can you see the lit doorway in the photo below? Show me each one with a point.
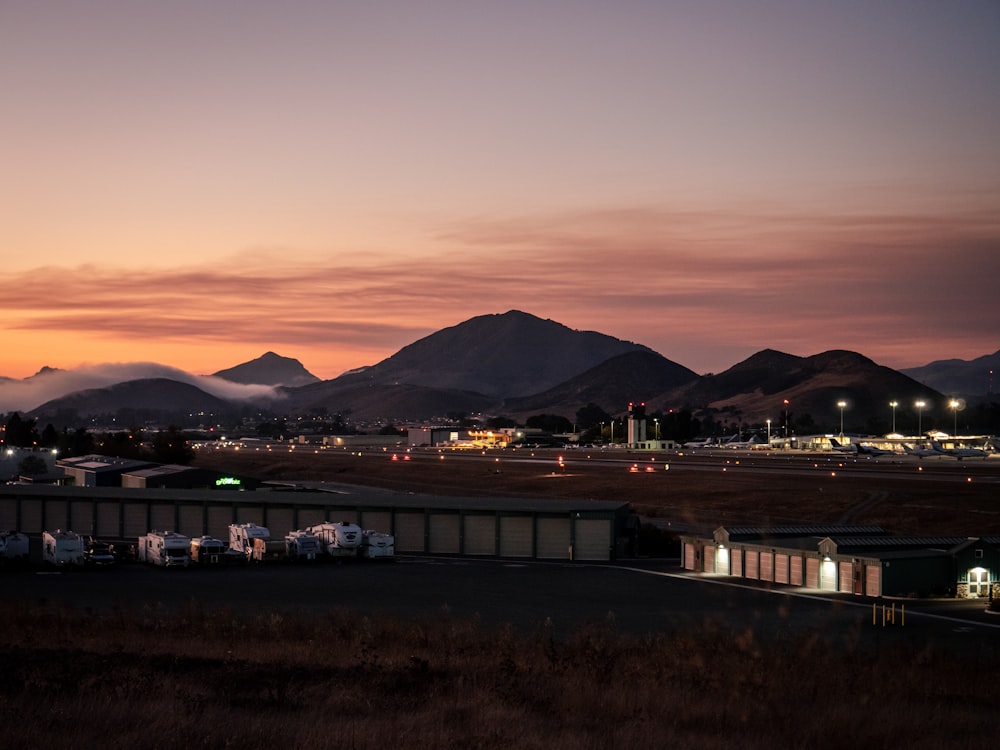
(979, 582)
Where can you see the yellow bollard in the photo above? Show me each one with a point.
(892, 617)
(902, 615)
(873, 613)
(883, 615)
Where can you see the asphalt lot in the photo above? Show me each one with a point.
(640, 597)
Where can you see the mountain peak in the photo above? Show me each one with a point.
(269, 369)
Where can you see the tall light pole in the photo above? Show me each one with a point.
(786, 419)
(920, 416)
(893, 405)
(612, 432)
(769, 432)
(656, 424)
(954, 410)
(841, 405)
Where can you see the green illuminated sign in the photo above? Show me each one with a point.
(227, 482)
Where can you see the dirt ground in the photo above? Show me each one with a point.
(705, 489)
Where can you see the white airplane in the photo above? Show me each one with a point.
(867, 449)
(919, 452)
(737, 444)
(706, 443)
(958, 453)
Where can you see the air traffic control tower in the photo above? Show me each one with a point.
(636, 425)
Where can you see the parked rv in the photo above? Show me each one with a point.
(62, 548)
(242, 535)
(208, 550)
(341, 539)
(302, 545)
(267, 550)
(375, 544)
(166, 548)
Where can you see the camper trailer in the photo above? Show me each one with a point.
(242, 535)
(207, 550)
(375, 544)
(13, 548)
(301, 545)
(267, 550)
(98, 553)
(340, 539)
(166, 548)
(62, 548)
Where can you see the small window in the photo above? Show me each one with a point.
(979, 554)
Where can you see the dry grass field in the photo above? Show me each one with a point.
(706, 490)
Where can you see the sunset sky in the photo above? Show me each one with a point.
(197, 182)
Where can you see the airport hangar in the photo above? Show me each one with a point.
(542, 529)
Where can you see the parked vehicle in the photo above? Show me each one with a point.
(302, 545)
(207, 550)
(242, 535)
(341, 539)
(267, 550)
(375, 544)
(166, 548)
(62, 548)
(96, 552)
(13, 548)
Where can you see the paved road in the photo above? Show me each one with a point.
(640, 598)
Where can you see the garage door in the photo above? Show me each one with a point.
(708, 558)
(736, 561)
(377, 520)
(553, 538)
(280, 520)
(767, 566)
(593, 539)
(192, 521)
(444, 533)
(135, 519)
(81, 517)
(828, 575)
(751, 561)
(108, 515)
(780, 568)
(250, 514)
(31, 517)
(515, 536)
(688, 556)
(340, 515)
(795, 570)
(846, 577)
(8, 514)
(311, 517)
(56, 515)
(219, 519)
(162, 517)
(873, 580)
(480, 535)
(409, 532)
(812, 573)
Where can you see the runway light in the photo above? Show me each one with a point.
(968, 479)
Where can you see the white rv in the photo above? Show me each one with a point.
(375, 544)
(339, 539)
(301, 545)
(13, 547)
(62, 548)
(242, 535)
(166, 548)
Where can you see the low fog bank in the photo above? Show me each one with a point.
(30, 393)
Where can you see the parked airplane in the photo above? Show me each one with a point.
(958, 453)
(737, 444)
(919, 452)
(707, 443)
(867, 449)
(849, 448)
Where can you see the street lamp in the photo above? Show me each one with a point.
(656, 424)
(841, 405)
(920, 415)
(769, 432)
(893, 405)
(954, 409)
(612, 432)
(786, 419)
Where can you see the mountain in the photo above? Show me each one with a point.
(757, 388)
(634, 376)
(269, 369)
(158, 399)
(958, 377)
(513, 354)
